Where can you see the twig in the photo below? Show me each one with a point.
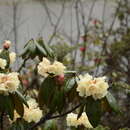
(106, 37)
(49, 117)
(78, 31)
(86, 27)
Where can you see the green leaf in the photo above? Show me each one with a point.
(41, 50)
(2, 103)
(20, 96)
(112, 102)
(61, 101)
(93, 110)
(58, 101)
(18, 105)
(46, 47)
(9, 106)
(69, 84)
(19, 124)
(24, 52)
(47, 91)
(81, 111)
(32, 47)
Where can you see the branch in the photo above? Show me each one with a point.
(106, 38)
(85, 25)
(49, 117)
(64, 114)
(78, 31)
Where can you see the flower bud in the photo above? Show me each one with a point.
(6, 44)
(60, 79)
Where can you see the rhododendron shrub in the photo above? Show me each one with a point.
(54, 91)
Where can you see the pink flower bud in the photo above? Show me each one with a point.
(60, 79)
(6, 44)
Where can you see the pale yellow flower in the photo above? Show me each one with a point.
(95, 87)
(31, 114)
(1, 50)
(3, 63)
(8, 42)
(12, 57)
(73, 121)
(83, 120)
(9, 82)
(45, 67)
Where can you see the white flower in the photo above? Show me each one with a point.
(3, 63)
(31, 114)
(8, 83)
(57, 68)
(45, 67)
(95, 87)
(7, 42)
(73, 121)
(83, 120)
(12, 57)
(1, 50)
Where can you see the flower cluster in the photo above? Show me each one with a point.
(8, 83)
(83, 120)
(45, 68)
(95, 87)
(31, 114)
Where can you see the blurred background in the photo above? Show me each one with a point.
(87, 35)
(21, 20)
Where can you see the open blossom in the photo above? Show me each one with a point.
(12, 57)
(73, 121)
(95, 87)
(3, 63)
(45, 67)
(8, 83)
(31, 114)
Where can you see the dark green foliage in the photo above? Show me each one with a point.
(38, 48)
(93, 111)
(112, 102)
